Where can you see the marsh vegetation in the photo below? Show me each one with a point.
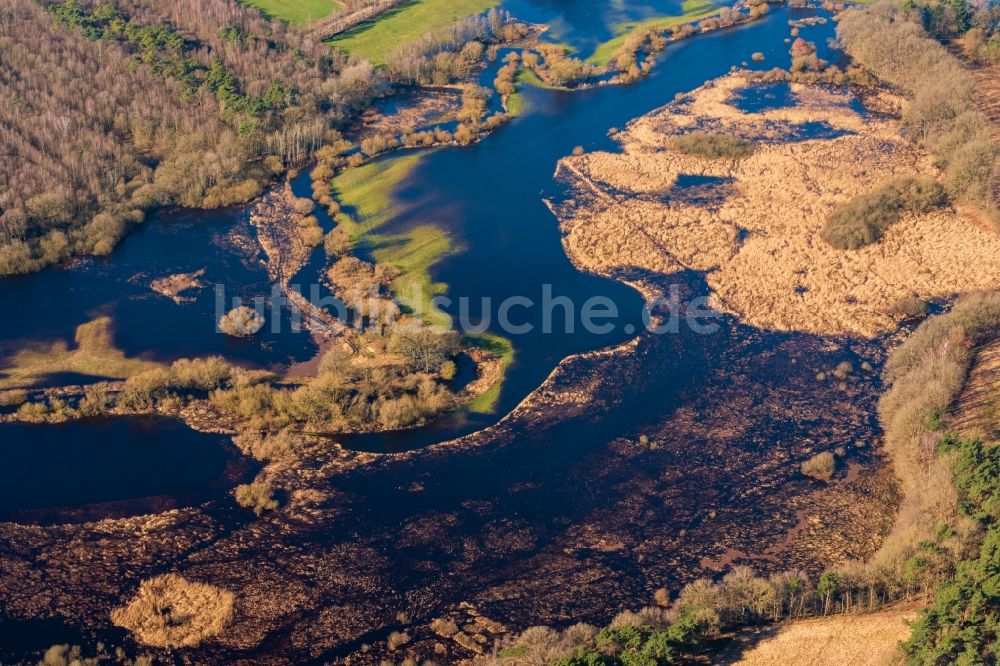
(941, 113)
(713, 145)
(392, 377)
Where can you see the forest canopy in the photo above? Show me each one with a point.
(112, 108)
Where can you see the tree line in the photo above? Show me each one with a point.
(116, 108)
(446, 56)
(941, 114)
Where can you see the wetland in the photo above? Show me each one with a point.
(584, 470)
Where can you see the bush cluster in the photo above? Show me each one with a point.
(821, 466)
(395, 383)
(257, 497)
(241, 322)
(862, 220)
(713, 145)
(160, 388)
(555, 66)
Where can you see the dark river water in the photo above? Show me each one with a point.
(101, 466)
(535, 478)
(488, 197)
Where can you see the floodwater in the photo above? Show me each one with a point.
(48, 306)
(488, 197)
(111, 467)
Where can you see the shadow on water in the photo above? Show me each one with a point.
(759, 97)
(701, 190)
(99, 468)
(540, 475)
(585, 25)
(489, 197)
(29, 637)
(546, 476)
(48, 306)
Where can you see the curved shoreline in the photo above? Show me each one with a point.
(336, 522)
(759, 244)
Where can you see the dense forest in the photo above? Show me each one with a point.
(114, 108)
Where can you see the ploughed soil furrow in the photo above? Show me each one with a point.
(988, 82)
(988, 101)
(975, 411)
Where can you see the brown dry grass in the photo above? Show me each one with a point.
(760, 246)
(988, 94)
(860, 640)
(170, 611)
(172, 286)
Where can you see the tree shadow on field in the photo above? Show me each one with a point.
(364, 27)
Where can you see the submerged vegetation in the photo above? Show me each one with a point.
(94, 355)
(607, 52)
(397, 370)
(945, 536)
(365, 202)
(498, 347)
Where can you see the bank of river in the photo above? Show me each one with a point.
(489, 199)
(560, 513)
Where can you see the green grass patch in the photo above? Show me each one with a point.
(376, 40)
(413, 253)
(502, 347)
(516, 104)
(693, 11)
(365, 194)
(529, 78)
(298, 12)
